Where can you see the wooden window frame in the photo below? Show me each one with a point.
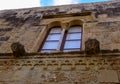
(65, 36)
(45, 39)
(62, 40)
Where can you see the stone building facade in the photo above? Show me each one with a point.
(23, 32)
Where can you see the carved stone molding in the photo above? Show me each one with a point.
(83, 63)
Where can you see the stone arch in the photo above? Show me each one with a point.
(75, 22)
(54, 24)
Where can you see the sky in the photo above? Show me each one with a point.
(16, 4)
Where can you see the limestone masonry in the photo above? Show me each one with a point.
(22, 32)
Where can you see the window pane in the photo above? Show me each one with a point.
(53, 37)
(50, 45)
(75, 29)
(73, 36)
(52, 40)
(72, 44)
(55, 30)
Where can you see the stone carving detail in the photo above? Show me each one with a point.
(17, 49)
(80, 63)
(92, 46)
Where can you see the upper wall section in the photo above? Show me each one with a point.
(33, 15)
(26, 25)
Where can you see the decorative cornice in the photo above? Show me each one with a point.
(72, 54)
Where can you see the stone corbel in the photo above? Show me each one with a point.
(92, 46)
(18, 49)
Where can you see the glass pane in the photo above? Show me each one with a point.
(75, 29)
(53, 37)
(72, 44)
(55, 30)
(73, 36)
(50, 45)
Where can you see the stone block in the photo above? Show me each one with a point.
(108, 76)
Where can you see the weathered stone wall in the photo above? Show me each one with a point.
(108, 33)
(27, 27)
(23, 25)
(62, 68)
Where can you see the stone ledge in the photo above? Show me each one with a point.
(59, 54)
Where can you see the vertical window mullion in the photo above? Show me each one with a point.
(63, 40)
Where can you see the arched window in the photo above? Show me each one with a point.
(63, 40)
(73, 39)
(52, 40)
